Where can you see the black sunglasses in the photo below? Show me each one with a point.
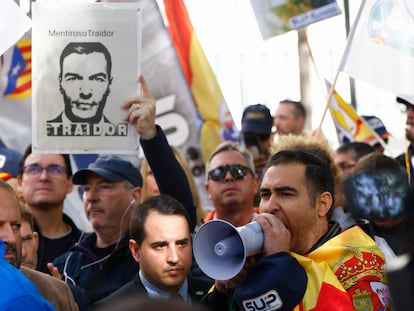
(236, 170)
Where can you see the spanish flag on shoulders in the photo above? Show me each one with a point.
(350, 264)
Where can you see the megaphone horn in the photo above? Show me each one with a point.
(220, 248)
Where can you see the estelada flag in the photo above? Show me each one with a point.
(349, 125)
(19, 76)
(218, 124)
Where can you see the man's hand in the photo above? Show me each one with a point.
(141, 111)
(276, 235)
(222, 286)
(54, 271)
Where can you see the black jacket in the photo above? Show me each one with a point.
(135, 290)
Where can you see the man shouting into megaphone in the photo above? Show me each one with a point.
(307, 262)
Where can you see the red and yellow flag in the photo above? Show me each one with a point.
(349, 125)
(218, 124)
(350, 263)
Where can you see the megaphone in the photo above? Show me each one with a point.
(220, 248)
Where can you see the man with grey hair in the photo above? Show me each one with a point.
(231, 184)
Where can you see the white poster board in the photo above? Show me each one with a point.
(86, 63)
(276, 17)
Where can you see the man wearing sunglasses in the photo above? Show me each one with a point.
(231, 184)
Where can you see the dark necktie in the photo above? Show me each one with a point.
(176, 297)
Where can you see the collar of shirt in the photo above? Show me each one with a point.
(155, 292)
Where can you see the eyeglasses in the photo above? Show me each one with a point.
(101, 189)
(52, 170)
(236, 170)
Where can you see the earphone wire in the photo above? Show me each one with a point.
(110, 254)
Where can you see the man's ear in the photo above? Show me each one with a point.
(206, 186)
(36, 238)
(135, 250)
(324, 203)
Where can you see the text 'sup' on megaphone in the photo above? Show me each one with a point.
(220, 248)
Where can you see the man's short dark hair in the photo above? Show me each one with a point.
(86, 48)
(356, 148)
(164, 205)
(377, 162)
(298, 108)
(318, 176)
(28, 151)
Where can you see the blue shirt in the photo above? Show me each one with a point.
(17, 292)
(155, 292)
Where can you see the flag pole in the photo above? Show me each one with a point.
(330, 94)
(332, 91)
(329, 98)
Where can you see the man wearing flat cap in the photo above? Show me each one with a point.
(101, 262)
(406, 159)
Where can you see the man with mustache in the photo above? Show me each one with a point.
(53, 290)
(84, 80)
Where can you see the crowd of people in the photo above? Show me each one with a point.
(330, 227)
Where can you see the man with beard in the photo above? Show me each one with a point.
(84, 80)
(406, 159)
(53, 290)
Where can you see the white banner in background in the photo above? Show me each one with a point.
(380, 47)
(11, 14)
(84, 68)
(276, 17)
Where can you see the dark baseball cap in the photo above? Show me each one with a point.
(257, 119)
(112, 168)
(378, 126)
(9, 161)
(405, 101)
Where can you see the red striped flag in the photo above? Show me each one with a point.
(218, 124)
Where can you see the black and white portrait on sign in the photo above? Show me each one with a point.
(84, 81)
(93, 69)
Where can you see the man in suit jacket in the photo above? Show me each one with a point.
(161, 244)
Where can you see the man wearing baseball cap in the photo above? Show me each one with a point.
(101, 262)
(257, 125)
(406, 159)
(9, 165)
